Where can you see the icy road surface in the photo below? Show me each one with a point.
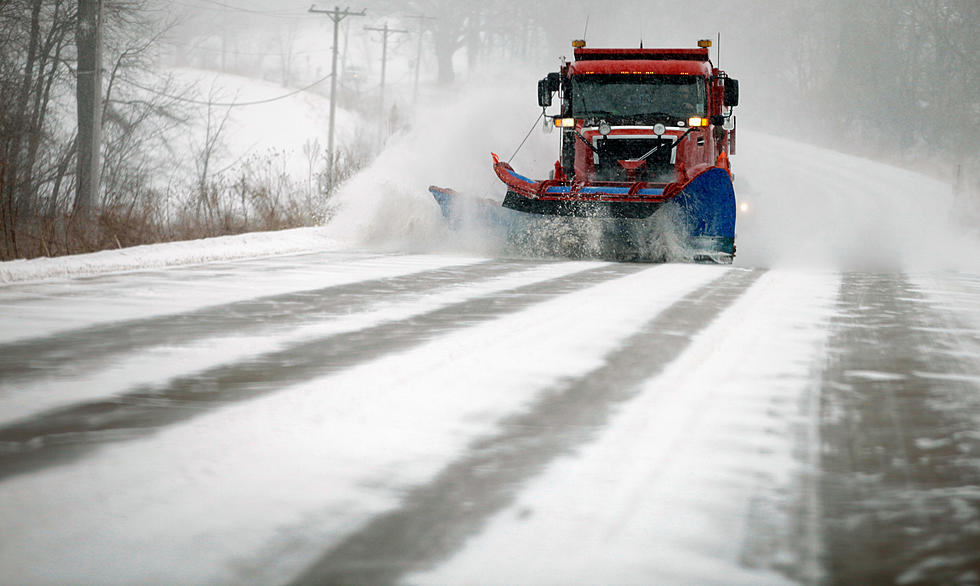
(346, 417)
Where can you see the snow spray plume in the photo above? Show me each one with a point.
(803, 205)
(388, 204)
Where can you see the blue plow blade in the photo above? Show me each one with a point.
(708, 210)
(475, 212)
(704, 212)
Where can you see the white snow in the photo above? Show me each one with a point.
(254, 491)
(64, 305)
(874, 375)
(159, 364)
(809, 206)
(665, 494)
(170, 254)
(274, 123)
(449, 145)
(954, 292)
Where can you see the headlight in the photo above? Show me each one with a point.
(697, 121)
(565, 122)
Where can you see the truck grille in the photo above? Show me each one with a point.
(612, 149)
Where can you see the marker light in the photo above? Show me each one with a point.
(704, 43)
(565, 122)
(697, 121)
(579, 43)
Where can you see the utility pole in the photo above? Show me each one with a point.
(89, 102)
(384, 61)
(336, 15)
(418, 53)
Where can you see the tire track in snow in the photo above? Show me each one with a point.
(96, 345)
(64, 435)
(435, 519)
(900, 460)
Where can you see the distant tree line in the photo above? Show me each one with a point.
(908, 72)
(897, 76)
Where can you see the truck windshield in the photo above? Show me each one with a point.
(636, 96)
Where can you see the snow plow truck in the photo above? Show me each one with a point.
(641, 130)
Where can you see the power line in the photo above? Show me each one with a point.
(226, 104)
(194, 47)
(225, 7)
(243, 9)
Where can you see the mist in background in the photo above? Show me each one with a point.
(881, 77)
(885, 80)
(888, 80)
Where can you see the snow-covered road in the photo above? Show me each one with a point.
(379, 401)
(356, 417)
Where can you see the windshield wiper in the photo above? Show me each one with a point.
(672, 144)
(586, 141)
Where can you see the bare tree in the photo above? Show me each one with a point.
(38, 142)
(35, 34)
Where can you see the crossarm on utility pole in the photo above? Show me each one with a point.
(336, 15)
(385, 32)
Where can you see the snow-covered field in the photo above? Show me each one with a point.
(376, 401)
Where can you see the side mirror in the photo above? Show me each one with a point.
(546, 87)
(544, 93)
(554, 81)
(731, 92)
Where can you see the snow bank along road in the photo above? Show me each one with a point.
(348, 417)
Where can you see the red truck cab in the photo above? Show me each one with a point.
(658, 116)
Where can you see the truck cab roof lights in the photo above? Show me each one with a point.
(578, 43)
